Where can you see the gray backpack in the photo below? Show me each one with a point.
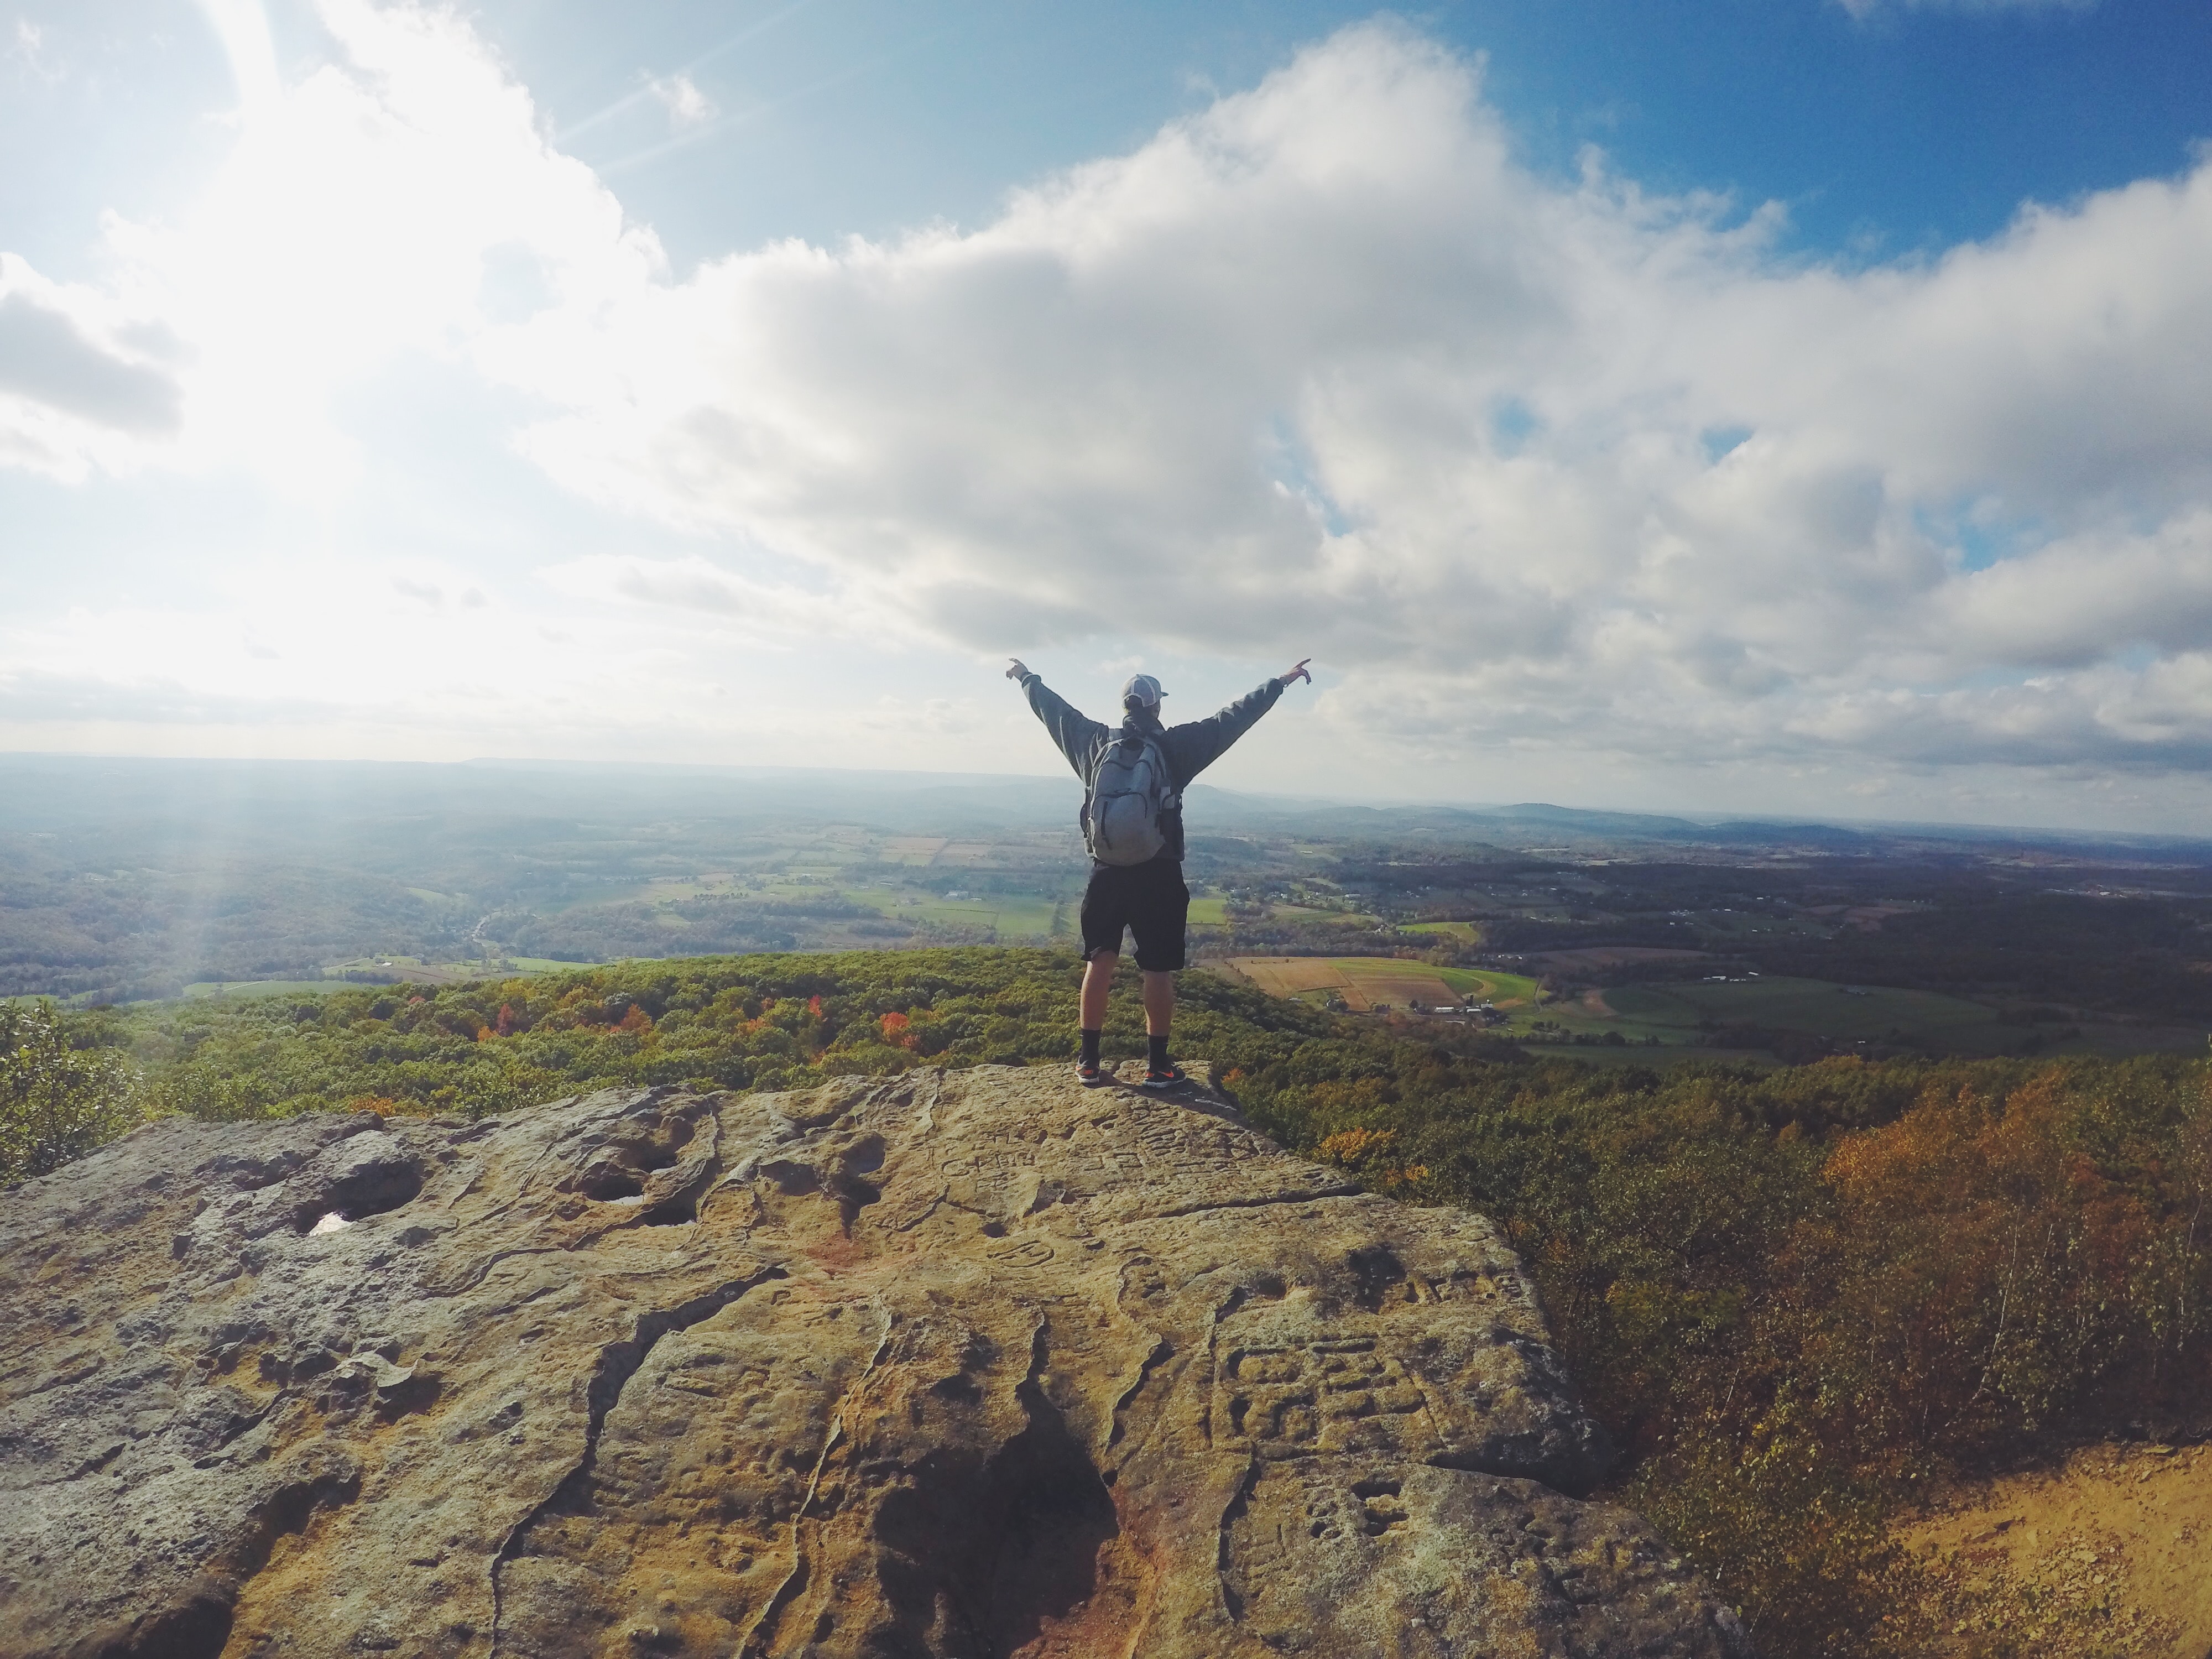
(1131, 793)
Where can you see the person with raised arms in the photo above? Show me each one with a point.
(1133, 776)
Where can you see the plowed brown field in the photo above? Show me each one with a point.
(1285, 976)
(1364, 983)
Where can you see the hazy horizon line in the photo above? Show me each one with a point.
(1310, 801)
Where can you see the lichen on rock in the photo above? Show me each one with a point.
(968, 1365)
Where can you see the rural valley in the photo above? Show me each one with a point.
(1601, 935)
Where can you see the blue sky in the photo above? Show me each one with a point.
(1762, 406)
(1893, 129)
(1885, 129)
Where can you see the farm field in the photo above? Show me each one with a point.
(1817, 1007)
(422, 971)
(1317, 913)
(1593, 1014)
(1610, 956)
(1366, 982)
(202, 990)
(1676, 1014)
(1734, 925)
(911, 849)
(660, 889)
(418, 969)
(1466, 933)
(1290, 976)
(389, 970)
(1022, 915)
(1508, 991)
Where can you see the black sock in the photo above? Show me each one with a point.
(1091, 1047)
(1159, 1051)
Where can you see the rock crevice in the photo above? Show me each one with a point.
(617, 1364)
(963, 1366)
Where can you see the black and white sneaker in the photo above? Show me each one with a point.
(1167, 1078)
(1090, 1076)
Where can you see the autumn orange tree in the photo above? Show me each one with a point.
(1991, 1268)
(1799, 1295)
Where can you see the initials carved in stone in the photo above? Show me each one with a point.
(1328, 1393)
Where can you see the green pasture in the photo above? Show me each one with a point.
(1568, 1014)
(1485, 986)
(1675, 1012)
(1316, 912)
(1466, 933)
(202, 989)
(1476, 984)
(660, 889)
(418, 969)
(420, 972)
(1010, 914)
(684, 887)
(1821, 1007)
(1210, 912)
(586, 898)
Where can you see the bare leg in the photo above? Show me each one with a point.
(1098, 979)
(1159, 1004)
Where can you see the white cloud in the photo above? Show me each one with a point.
(243, 28)
(2083, 599)
(686, 105)
(1321, 368)
(375, 208)
(1866, 9)
(774, 613)
(1533, 469)
(82, 382)
(29, 50)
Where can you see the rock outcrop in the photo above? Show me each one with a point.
(978, 1364)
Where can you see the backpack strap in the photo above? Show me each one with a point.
(1169, 795)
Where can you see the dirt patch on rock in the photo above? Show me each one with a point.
(2110, 1553)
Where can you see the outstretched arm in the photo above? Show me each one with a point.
(1078, 735)
(1195, 747)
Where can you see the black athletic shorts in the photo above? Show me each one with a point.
(1149, 900)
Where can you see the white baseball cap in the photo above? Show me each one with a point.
(1144, 688)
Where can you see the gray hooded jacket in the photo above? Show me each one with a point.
(1190, 747)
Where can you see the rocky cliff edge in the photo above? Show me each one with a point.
(973, 1364)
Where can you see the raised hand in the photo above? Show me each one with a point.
(1297, 673)
(1017, 669)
